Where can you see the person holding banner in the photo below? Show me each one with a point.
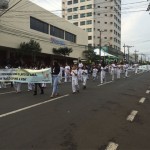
(40, 86)
(55, 78)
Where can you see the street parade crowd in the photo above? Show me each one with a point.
(76, 73)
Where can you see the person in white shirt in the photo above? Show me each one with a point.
(135, 68)
(126, 66)
(80, 65)
(103, 72)
(17, 85)
(113, 67)
(94, 74)
(67, 72)
(75, 85)
(118, 70)
(60, 73)
(84, 76)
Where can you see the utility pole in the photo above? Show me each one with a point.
(135, 55)
(124, 51)
(100, 41)
(128, 51)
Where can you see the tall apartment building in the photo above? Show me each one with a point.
(96, 16)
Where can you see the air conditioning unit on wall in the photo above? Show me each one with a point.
(4, 4)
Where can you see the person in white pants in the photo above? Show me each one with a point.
(94, 74)
(84, 76)
(135, 68)
(75, 85)
(126, 70)
(113, 67)
(103, 74)
(80, 65)
(67, 72)
(60, 74)
(118, 70)
(30, 86)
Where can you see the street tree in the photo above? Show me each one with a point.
(30, 48)
(91, 56)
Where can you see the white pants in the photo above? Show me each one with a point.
(75, 85)
(29, 86)
(103, 76)
(113, 74)
(126, 73)
(2, 85)
(17, 86)
(66, 77)
(136, 69)
(118, 73)
(84, 80)
(80, 74)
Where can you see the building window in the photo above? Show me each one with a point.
(89, 6)
(82, 0)
(89, 37)
(75, 9)
(69, 17)
(82, 8)
(82, 15)
(89, 22)
(69, 10)
(39, 25)
(75, 23)
(89, 29)
(57, 32)
(75, 16)
(75, 1)
(69, 2)
(89, 14)
(70, 37)
(82, 23)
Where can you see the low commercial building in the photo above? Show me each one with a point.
(26, 21)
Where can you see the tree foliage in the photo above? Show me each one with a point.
(65, 51)
(30, 48)
(91, 55)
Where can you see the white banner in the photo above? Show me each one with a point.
(26, 75)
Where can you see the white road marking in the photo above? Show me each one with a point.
(142, 100)
(32, 106)
(132, 115)
(7, 92)
(148, 91)
(112, 146)
(105, 83)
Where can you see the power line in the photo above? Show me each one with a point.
(10, 8)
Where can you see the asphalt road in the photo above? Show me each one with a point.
(88, 120)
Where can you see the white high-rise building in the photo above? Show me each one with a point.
(100, 18)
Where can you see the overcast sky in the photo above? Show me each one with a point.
(135, 25)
